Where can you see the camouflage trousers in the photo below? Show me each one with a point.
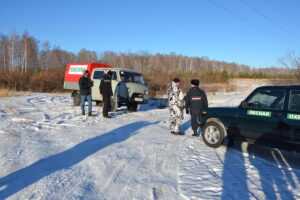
(176, 116)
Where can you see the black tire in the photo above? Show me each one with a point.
(213, 134)
(76, 99)
(132, 107)
(99, 103)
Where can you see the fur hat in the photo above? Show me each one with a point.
(176, 80)
(195, 82)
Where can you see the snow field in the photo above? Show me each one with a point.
(49, 151)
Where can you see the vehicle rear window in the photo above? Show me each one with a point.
(294, 102)
(267, 99)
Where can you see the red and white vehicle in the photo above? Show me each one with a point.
(74, 72)
(137, 89)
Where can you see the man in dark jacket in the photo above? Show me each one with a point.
(106, 92)
(196, 104)
(85, 84)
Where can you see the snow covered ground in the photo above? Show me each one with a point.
(48, 151)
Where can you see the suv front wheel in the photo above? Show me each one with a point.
(213, 134)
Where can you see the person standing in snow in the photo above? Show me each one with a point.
(176, 106)
(196, 104)
(85, 85)
(106, 92)
(122, 91)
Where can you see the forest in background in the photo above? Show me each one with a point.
(27, 64)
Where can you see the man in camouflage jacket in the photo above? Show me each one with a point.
(176, 106)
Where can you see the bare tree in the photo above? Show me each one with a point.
(86, 56)
(297, 65)
(4, 52)
(292, 62)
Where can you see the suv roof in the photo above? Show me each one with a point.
(280, 87)
(117, 69)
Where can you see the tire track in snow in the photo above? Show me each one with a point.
(122, 175)
(205, 167)
(201, 174)
(63, 117)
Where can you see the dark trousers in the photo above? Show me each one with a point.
(196, 121)
(106, 105)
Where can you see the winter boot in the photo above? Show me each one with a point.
(195, 133)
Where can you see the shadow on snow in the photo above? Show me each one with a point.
(276, 179)
(27, 176)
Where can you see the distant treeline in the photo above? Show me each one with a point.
(27, 64)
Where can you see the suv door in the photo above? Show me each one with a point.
(261, 116)
(97, 76)
(292, 117)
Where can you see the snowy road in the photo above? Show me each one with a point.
(48, 151)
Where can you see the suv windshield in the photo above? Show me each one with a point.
(132, 77)
(267, 99)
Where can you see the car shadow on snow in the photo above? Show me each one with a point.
(234, 176)
(276, 169)
(29, 175)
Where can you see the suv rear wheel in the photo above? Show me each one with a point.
(213, 134)
(99, 103)
(132, 107)
(76, 98)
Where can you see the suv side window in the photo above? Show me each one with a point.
(98, 75)
(272, 99)
(294, 102)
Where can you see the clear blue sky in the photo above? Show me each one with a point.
(253, 32)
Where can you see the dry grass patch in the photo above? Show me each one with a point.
(284, 82)
(4, 92)
(218, 87)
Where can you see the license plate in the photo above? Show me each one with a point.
(139, 99)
